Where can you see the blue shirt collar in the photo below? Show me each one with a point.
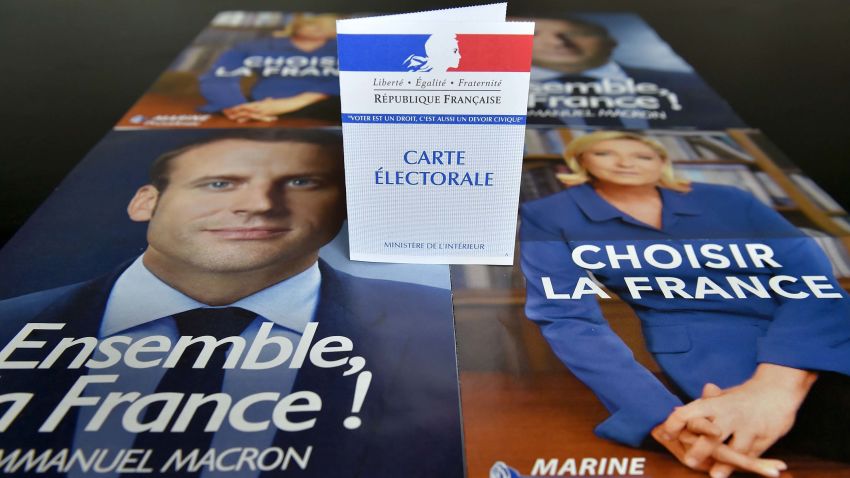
(139, 297)
(597, 209)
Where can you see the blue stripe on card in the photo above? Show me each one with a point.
(378, 52)
(433, 119)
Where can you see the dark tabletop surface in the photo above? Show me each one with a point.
(70, 69)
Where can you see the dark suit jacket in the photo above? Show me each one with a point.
(411, 415)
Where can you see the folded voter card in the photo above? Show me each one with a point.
(433, 121)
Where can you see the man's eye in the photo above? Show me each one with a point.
(218, 184)
(302, 182)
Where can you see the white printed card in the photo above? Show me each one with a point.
(433, 121)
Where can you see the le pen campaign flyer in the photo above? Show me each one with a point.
(433, 119)
(611, 318)
(196, 312)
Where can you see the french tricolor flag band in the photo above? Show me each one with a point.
(438, 52)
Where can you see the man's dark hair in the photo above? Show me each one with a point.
(594, 27)
(330, 140)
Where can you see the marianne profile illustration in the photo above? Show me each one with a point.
(441, 53)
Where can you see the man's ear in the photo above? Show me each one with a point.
(143, 204)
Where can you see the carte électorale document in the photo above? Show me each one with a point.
(433, 116)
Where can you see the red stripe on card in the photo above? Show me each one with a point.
(494, 52)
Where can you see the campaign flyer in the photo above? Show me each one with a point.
(718, 267)
(433, 119)
(251, 69)
(612, 70)
(248, 69)
(184, 305)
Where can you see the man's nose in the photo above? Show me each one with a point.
(257, 199)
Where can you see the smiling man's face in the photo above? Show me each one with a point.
(239, 205)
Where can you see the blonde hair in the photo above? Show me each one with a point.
(579, 175)
(302, 19)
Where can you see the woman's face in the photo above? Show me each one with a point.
(315, 29)
(624, 162)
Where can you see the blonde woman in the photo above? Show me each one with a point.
(660, 242)
(296, 69)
